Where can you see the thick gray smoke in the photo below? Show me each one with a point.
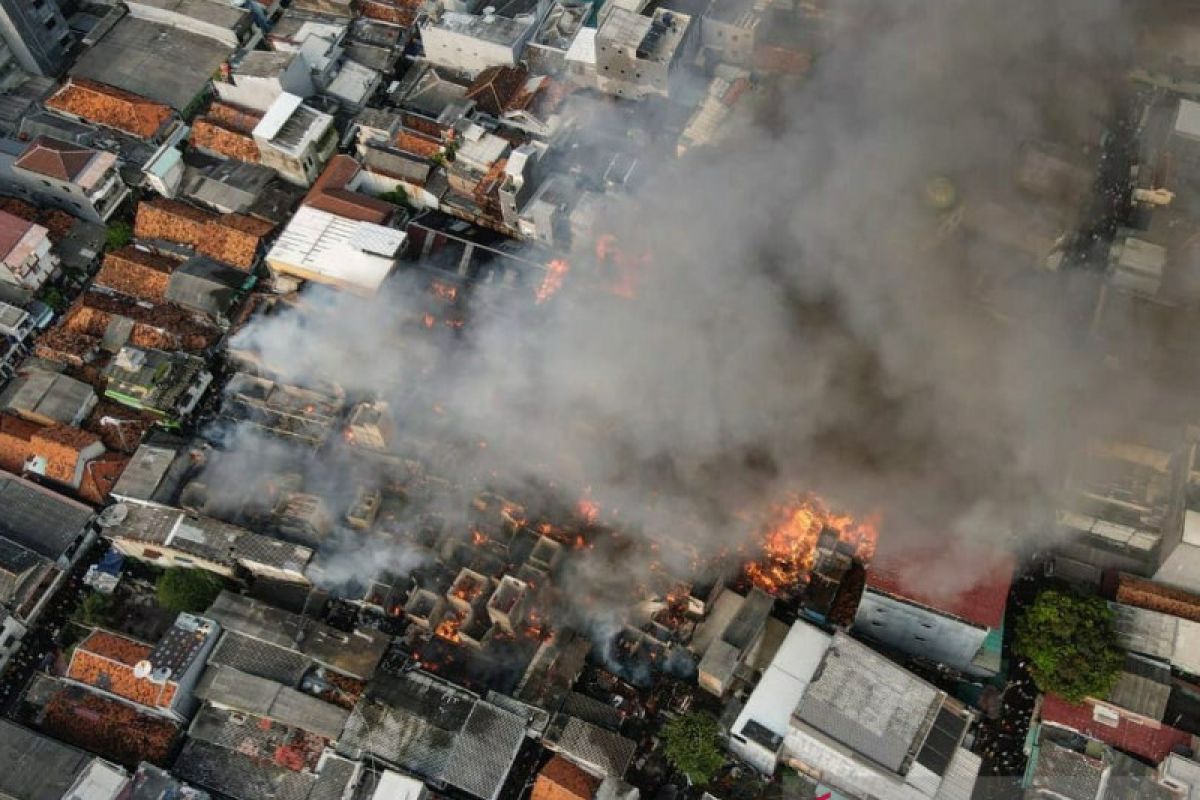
(802, 322)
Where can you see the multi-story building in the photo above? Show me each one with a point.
(839, 712)
(25, 257)
(637, 56)
(80, 180)
(295, 140)
(470, 43)
(36, 33)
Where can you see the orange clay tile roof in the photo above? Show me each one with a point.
(162, 327)
(397, 12)
(1146, 594)
(561, 780)
(61, 445)
(55, 158)
(108, 727)
(216, 138)
(330, 194)
(106, 661)
(100, 476)
(137, 273)
(416, 144)
(233, 117)
(106, 105)
(232, 238)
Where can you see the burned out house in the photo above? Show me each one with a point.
(293, 413)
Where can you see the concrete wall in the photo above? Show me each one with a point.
(23, 26)
(459, 51)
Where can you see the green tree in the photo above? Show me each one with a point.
(193, 590)
(1070, 643)
(397, 197)
(692, 743)
(118, 235)
(96, 609)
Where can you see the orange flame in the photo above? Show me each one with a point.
(478, 537)
(556, 273)
(789, 543)
(443, 290)
(587, 508)
(429, 320)
(448, 628)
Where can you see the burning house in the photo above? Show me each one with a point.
(290, 412)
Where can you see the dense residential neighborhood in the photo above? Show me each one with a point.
(407, 399)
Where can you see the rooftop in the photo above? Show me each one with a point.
(333, 249)
(241, 691)
(331, 193)
(112, 107)
(785, 680)
(437, 731)
(110, 728)
(869, 704)
(357, 654)
(64, 161)
(604, 751)
(561, 776)
(492, 28)
(1153, 596)
(38, 519)
(905, 575)
(137, 272)
(159, 62)
(46, 397)
(1149, 739)
(36, 767)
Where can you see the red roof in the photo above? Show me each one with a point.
(906, 574)
(12, 228)
(330, 194)
(1141, 736)
(55, 158)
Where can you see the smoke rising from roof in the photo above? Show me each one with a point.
(801, 323)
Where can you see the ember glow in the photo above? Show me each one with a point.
(556, 273)
(789, 542)
(448, 628)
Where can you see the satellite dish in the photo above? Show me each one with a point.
(113, 515)
(142, 669)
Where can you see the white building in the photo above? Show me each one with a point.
(295, 140)
(836, 710)
(80, 180)
(637, 56)
(25, 257)
(471, 43)
(259, 79)
(325, 248)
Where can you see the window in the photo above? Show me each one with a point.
(919, 638)
(182, 560)
(45, 183)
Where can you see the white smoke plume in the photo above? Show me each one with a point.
(799, 324)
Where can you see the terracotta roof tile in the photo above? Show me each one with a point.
(900, 572)
(61, 445)
(562, 780)
(115, 647)
(233, 117)
(216, 138)
(417, 144)
(329, 193)
(1134, 734)
(137, 273)
(55, 158)
(163, 327)
(109, 728)
(397, 12)
(100, 476)
(232, 238)
(1157, 597)
(106, 105)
